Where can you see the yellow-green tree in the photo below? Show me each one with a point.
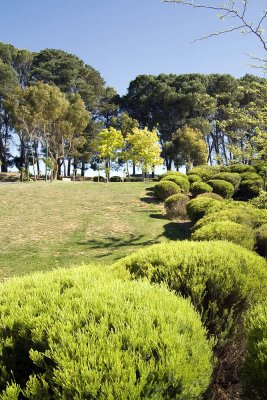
(143, 149)
(108, 145)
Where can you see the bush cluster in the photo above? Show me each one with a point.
(80, 334)
(240, 168)
(197, 188)
(164, 189)
(175, 206)
(205, 172)
(232, 177)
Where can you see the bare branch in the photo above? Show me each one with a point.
(232, 29)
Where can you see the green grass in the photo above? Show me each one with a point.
(44, 226)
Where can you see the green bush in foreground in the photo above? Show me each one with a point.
(182, 182)
(175, 206)
(226, 230)
(223, 188)
(197, 188)
(197, 208)
(81, 334)
(255, 368)
(164, 189)
(221, 279)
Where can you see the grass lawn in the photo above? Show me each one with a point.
(44, 226)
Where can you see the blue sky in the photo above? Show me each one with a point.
(126, 38)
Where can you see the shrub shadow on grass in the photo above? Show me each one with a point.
(178, 230)
(150, 200)
(158, 216)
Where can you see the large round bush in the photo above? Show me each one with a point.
(197, 208)
(240, 168)
(251, 176)
(226, 230)
(250, 188)
(197, 188)
(175, 206)
(232, 177)
(182, 182)
(164, 189)
(194, 178)
(81, 334)
(172, 173)
(221, 279)
(206, 172)
(211, 195)
(223, 188)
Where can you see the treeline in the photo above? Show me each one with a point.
(53, 105)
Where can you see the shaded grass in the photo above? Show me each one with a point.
(45, 226)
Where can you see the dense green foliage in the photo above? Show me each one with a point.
(171, 173)
(175, 206)
(241, 168)
(76, 334)
(197, 208)
(250, 188)
(211, 196)
(197, 188)
(164, 189)
(255, 368)
(226, 230)
(194, 178)
(232, 177)
(223, 188)
(261, 238)
(205, 172)
(181, 181)
(221, 279)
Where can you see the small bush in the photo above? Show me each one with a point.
(241, 214)
(261, 239)
(206, 172)
(226, 230)
(99, 179)
(172, 173)
(197, 188)
(182, 182)
(250, 188)
(214, 196)
(198, 207)
(175, 206)
(223, 188)
(221, 279)
(240, 168)
(165, 189)
(194, 178)
(255, 366)
(82, 334)
(232, 177)
(115, 179)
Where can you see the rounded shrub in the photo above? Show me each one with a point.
(175, 206)
(211, 195)
(194, 178)
(99, 179)
(182, 182)
(172, 173)
(197, 188)
(252, 176)
(197, 208)
(205, 172)
(221, 279)
(261, 239)
(241, 214)
(240, 168)
(232, 177)
(164, 189)
(255, 366)
(226, 230)
(249, 189)
(83, 334)
(223, 188)
(115, 179)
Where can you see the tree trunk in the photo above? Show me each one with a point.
(69, 166)
(83, 169)
(133, 169)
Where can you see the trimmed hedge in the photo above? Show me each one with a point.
(198, 207)
(240, 168)
(212, 195)
(115, 179)
(82, 334)
(232, 177)
(255, 366)
(226, 230)
(194, 178)
(101, 179)
(221, 279)
(175, 206)
(165, 189)
(197, 188)
(182, 182)
(223, 188)
(261, 239)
